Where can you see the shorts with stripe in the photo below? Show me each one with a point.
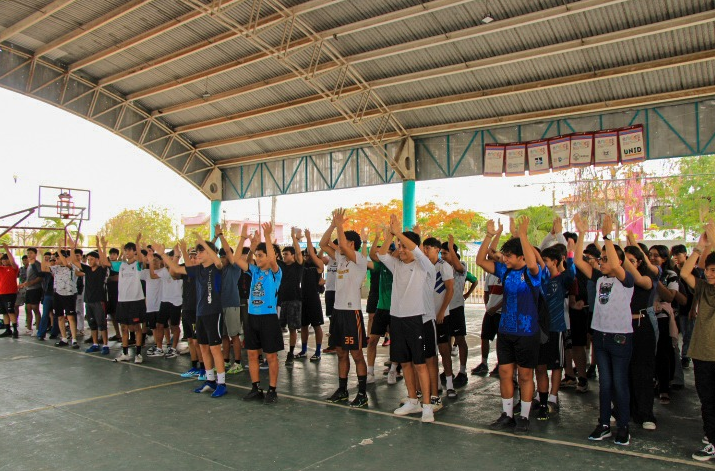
(208, 329)
(347, 330)
(551, 353)
(188, 323)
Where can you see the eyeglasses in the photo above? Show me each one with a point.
(603, 259)
(53, 260)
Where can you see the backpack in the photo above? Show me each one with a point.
(544, 316)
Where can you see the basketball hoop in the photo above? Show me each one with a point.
(65, 206)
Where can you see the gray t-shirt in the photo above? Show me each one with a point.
(34, 271)
(460, 279)
(229, 286)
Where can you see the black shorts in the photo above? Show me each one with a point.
(329, 303)
(524, 351)
(347, 330)
(490, 326)
(380, 322)
(111, 305)
(131, 312)
(568, 343)
(372, 303)
(429, 333)
(169, 314)
(292, 312)
(551, 353)
(311, 312)
(150, 318)
(33, 296)
(263, 332)
(458, 322)
(7, 303)
(580, 323)
(444, 330)
(64, 305)
(407, 340)
(188, 323)
(208, 329)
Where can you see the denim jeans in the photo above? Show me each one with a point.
(613, 360)
(47, 302)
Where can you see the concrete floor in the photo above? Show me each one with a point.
(64, 409)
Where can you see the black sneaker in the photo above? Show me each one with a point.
(289, 361)
(15, 334)
(600, 432)
(359, 401)
(61, 343)
(481, 370)
(495, 372)
(543, 413)
(522, 425)
(460, 380)
(706, 453)
(7, 333)
(503, 422)
(591, 372)
(622, 436)
(339, 395)
(271, 397)
(254, 395)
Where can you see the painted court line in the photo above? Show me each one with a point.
(467, 428)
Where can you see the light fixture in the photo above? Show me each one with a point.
(206, 95)
(488, 18)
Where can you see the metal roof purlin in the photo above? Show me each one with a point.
(34, 18)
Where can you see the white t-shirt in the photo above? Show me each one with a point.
(331, 273)
(612, 313)
(65, 280)
(411, 284)
(443, 272)
(496, 290)
(129, 284)
(348, 281)
(460, 279)
(153, 290)
(171, 289)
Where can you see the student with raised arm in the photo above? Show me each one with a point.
(612, 330)
(290, 295)
(8, 291)
(519, 339)
(94, 273)
(231, 300)
(311, 308)
(381, 319)
(65, 297)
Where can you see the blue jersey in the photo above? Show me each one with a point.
(520, 314)
(555, 290)
(264, 290)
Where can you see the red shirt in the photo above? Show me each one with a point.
(8, 279)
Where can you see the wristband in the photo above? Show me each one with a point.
(606, 237)
(569, 255)
(490, 235)
(698, 251)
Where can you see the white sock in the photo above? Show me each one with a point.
(554, 399)
(507, 406)
(450, 385)
(63, 339)
(210, 375)
(371, 370)
(414, 401)
(463, 369)
(221, 378)
(393, 367)
(525, 409)
(105, 345)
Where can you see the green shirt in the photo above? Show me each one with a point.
(385, 298)
(702, 343)
(471, 278)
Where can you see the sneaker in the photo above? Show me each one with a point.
(315, 357)
(52, 337)
(622, 436)
(171, 353)
(138, 358)
(568, 382)
(705, 440)
(208, 386)
(705, 453)
(359, 401)
(649, 425)
(553, 407)
(495, 372)
(15, 335)
(409, 407)
(522, 425)
(392, 377)
(92, 349)
(235, 368)
(202, 375)
(264, 365)
(503, 422)
(7, 333)
(371, 378)
(123, 357)
(150, 351)
(219, 391)
(436, 403)
(271, 397)
(156, 352)
(451, 394)
(300, 355)
(61, 343)
(226, 364)
(191, 373)
(664, 399)
(685, 363)
(480, 370)
(340, 395)
(427, 414)
(386, 342)
(289, 361)
(582, 385)
(75, 345)
(105, 350)
(543, 413)
(254, 395)
(460, 380)
(600, 432)
(591, 372)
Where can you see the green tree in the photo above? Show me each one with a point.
(155, 224)
(54, 234)
(541, 219)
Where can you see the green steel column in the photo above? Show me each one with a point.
(215, 216)
(409, 209)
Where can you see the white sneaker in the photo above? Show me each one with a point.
(370, 378)
(123, 357)
(150, 351)
(138, 358)
(649, 426)
(409, 407)
(392, 377)
(171, 353)
(157, 352)
(436, 404)
(455, 352)
(427, 413)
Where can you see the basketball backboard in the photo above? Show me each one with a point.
(64, 203)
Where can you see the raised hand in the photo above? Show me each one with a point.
(395, 226)
(158, 248)
(558, 226)
(307, 233)
(217, 230)
(450, 238)
(630, 238)
(417, 229)
(523, 226)
(607, 225)
(512, 226)
(710, 232)
(580, 223)
(244, 231)
(339, 217)
(490, 228)
(363, 233)
(267, 230)
(255, 238)
(500, 229)
(570, 245)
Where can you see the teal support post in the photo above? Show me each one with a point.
(215, 216)
(409, 208)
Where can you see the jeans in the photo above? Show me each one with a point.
(642, 371)
(705, 385)
(47, 306)
(613, 360)
(686, 328)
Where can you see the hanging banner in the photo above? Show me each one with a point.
(538, 153)
(581, 149)
(515, 159)
(632, 144)
(493, 160)
(605, 147)
(560, 149)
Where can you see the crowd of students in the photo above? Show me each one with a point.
(545, 306)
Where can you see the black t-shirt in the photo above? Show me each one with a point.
(643, 298)
(290, 289)
(208, 288)
(244, 286)
(94, 283)
(188, 293)
(374, 283)
(311, 284)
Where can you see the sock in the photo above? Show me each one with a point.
(94, 344)
(525, 409)
(271, 388)
(226, 360)
(139, 350)
(554, 399)
(210, 375)
(543, 398)
(485, 360)
(362, 383)
(256, 386)
(63, 339)
(291, 350)
(393, 367)
(125, 350)
(414, 401)
(201, 365)
(221, 378)
(303, 348)
(317, 348)
(14, 326)
(371, 370)
(450, 384)
(463, 369)
(105, 345)
(507, 406)
(343, 383)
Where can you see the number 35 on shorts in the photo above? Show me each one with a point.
(349, 341)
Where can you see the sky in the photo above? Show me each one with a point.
(43, 145)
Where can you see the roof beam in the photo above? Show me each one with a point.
(377, 21)
(147, 35)
(468, 33)
(519, 56)
(501, 120)
(268, 21)
(34, 18)
(91, 26)
(501, 92)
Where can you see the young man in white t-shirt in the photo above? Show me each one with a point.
(169, 315)
(347, 328)
(153, 285)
